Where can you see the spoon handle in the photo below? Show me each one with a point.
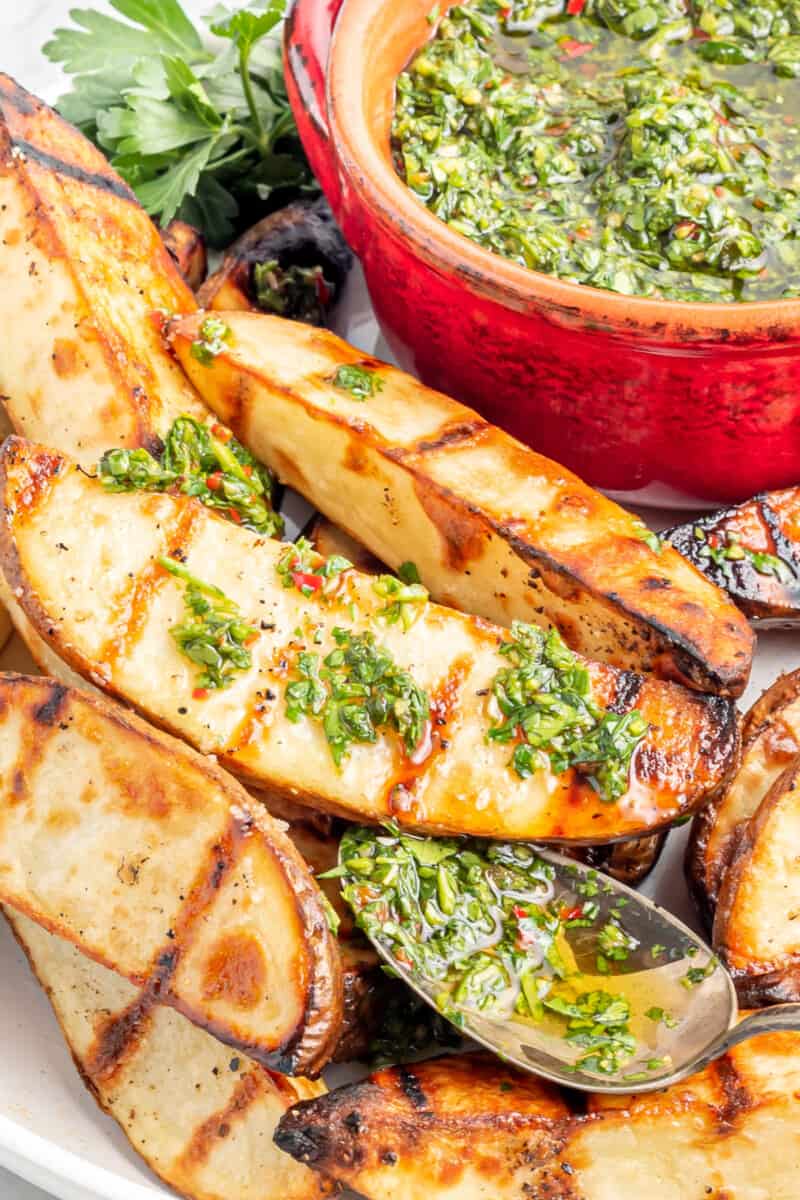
(776, 1018)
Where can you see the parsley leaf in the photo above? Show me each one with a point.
(196, 134)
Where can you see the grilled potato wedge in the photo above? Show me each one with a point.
(469, 1128)
(770, 742)
(752, 551)
(630, 861)
(83, 264)
(201, 1118)
(493, 527)
(152, 861)
(187, 248)
(756, 929)
(82, 566)
(302, 255)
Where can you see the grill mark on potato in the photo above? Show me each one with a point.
(118, 1038)
(411, 1087)
(204, 1139)
(737, 1100)
(17, 97)
(50, 162)
(463, 540)
(451, 435)
(50, 710)
(130, 608)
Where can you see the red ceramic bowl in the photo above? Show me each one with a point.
(628, 392)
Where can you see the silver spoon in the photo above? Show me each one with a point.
(703, 1017)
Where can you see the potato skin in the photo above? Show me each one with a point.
(770, 741)
(769, 523)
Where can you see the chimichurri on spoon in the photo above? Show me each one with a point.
(544, 960)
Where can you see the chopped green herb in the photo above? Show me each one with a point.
(696, 975)
(649, 538)
(360, 382)
(204, 462)
(299, 292)
(664, 1018)
(214, 333)
(300, 566)
(213, 636)
(331, 915)
(357, 691)
(405, 601)
(548, 714)
(657, 950)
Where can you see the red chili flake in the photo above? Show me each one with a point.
(687, 229)
(200, 694)
(252, 637)
(572, 914)
(561, 127)
(719, 190)
(575, 7)
(701, 35)
(571, 48)
(219, 431)
(235, 516)
(788, 120)
(248, 471)
(519, 912)
(214, 481)
(301, 579)
(402, 957)
(322, 289)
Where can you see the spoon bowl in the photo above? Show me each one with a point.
(682, 1003)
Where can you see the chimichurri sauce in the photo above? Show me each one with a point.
(486, 927)
(648, 148)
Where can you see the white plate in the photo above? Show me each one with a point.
(51, 1131)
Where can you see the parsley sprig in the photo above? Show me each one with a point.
(544, 697)
(204, 462)
(357, 690)
(213, 636)
(197, 133)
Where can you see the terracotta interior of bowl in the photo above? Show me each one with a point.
(373, 42)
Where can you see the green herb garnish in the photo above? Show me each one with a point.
(355, 692)
(203, 462)
(649, 538)
(214, 333)
(300, 292)
(360, 382)
(300, 566)
(214, 635)
(696, 975)
(545, 700)
(662, 1017)
(202, 134)
(405, 601)
(725, 550)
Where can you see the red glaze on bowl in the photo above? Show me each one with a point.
(628, 392)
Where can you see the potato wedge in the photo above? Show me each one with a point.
(770, 741)
(293, 262)
(153, 862)
(201, 1118)
(83, 270)
(469, 1128)
(629, 861)
(187, 248)
(493, 527)
(82, 565)
(756, 926)
(752, 551)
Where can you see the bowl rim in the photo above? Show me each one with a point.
(369, 172)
